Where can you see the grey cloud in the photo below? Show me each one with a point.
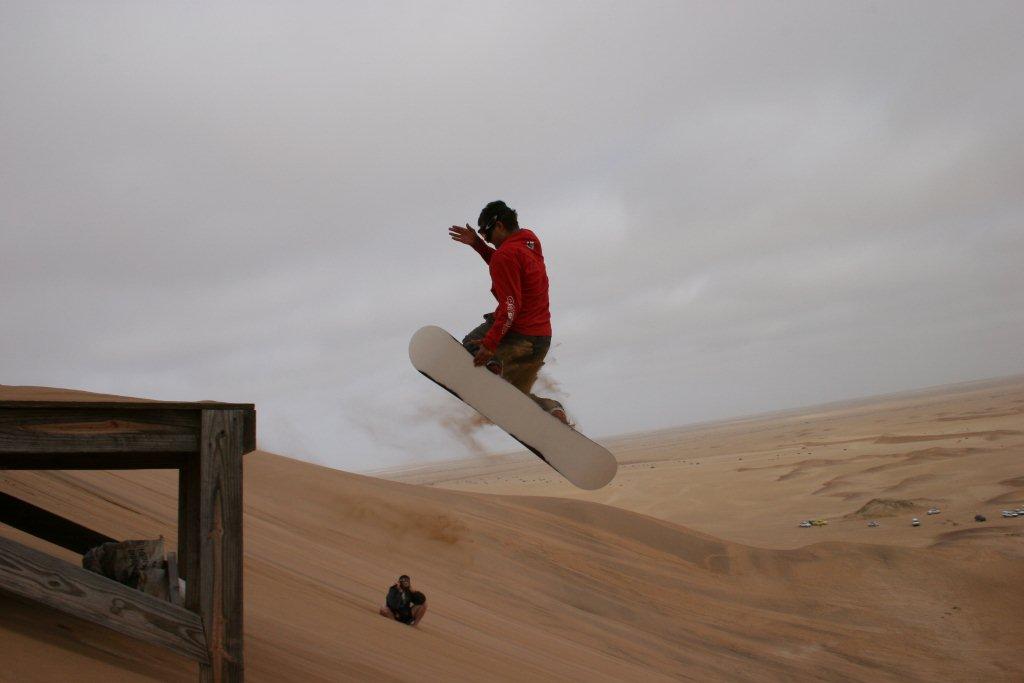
(744, 207)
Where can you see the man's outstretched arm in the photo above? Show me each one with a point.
(467, 235)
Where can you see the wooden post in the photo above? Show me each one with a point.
(188, 527)
(173, 591)
(219, 582)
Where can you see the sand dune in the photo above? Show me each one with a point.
(678, 571)
(960, 448)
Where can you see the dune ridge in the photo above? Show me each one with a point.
(885, 507)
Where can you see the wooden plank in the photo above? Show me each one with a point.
(189, 482)
(182, 521)
(220, 533)
(77, 430)
(33, 575)
(44, 524)
(91, 461)
(141, 404)
(172, 579)
(249, 431)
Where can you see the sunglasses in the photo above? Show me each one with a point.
(489, 227)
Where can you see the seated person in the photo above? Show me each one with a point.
(404, 604)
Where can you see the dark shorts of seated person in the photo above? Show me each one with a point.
(405, 615)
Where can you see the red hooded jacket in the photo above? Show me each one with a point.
(519, 281)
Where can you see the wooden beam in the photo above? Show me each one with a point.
(80, 430)
(138, 404)
(172, 579)
(189, 482)
(249, 430)
(91, 461)
(30, 574)
(220, 538)
(46, 525)
(182, 522)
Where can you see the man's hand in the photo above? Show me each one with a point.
(482, 356)
(466, 235)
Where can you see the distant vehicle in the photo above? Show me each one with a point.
(819, 522)
(934, 511)
(1010, 513)
(979, 518)
(915, 522)
(873, 524)
(806, 524)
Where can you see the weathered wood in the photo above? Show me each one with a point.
(205, 441)
(220, 533)
(172, 579)
(189, 483)
(30, 574)
(91, 461)
(44, 524)
(79, 430)
(249, 430)
(140, 404)
(183, 520)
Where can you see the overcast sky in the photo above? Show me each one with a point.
(744, 207)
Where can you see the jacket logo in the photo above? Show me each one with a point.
(529, 244)
(510, 310)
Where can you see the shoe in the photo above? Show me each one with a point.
(559, 413)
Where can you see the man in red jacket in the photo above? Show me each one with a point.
(515, 338)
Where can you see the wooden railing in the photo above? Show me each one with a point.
(205, 442)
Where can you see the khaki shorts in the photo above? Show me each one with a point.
(519, 358)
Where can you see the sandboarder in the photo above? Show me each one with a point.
(403, 603)
(514, 339)
(443, 359)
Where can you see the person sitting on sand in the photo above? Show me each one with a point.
(404, 604)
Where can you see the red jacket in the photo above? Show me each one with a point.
(519, 281)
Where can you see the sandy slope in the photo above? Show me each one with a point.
(959, 448)
(555, 588)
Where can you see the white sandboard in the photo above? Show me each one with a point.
(440, 357)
